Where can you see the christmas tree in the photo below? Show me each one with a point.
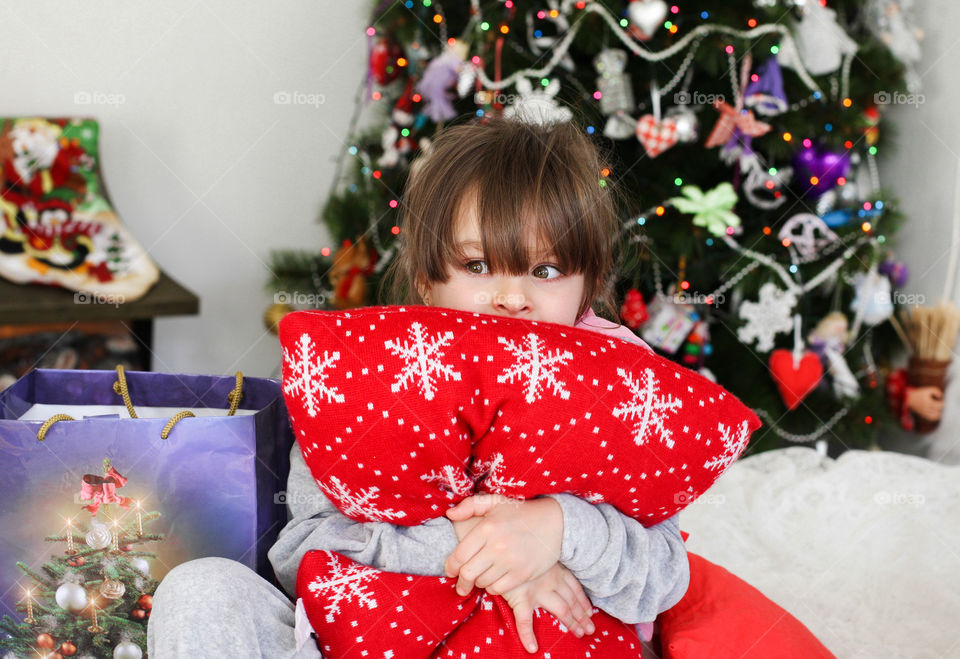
(744, 137)
(95, 597)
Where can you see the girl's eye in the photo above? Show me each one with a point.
(543, 272)
(477, 267)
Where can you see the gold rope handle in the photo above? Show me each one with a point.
(174, 421)
(42, 433)
(235, 395)
(120, 386)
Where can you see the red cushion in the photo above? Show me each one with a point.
(722, 616)
(401, 412)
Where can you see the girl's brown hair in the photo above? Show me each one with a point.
(515, 173)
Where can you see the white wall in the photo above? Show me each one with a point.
(922, 169)
(206, 170)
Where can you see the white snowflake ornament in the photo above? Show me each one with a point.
(768, 316)
(537, 107)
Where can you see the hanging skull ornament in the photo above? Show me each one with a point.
(616, 91)
(806, 233)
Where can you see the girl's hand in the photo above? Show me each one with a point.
(514, 542)
(558, 592)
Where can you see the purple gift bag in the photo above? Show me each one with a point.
(214, 480)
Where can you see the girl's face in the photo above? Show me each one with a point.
(544, 293)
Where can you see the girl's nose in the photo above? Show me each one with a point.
(509, 298)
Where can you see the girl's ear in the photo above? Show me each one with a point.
(424, 292)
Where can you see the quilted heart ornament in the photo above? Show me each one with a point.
(656, 136)
(795, 381)
(645, 17)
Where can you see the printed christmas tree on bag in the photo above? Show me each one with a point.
(94, 597)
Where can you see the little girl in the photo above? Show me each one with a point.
(502, 218)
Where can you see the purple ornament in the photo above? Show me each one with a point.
(766, 95)
(440, 75)
(826, 166)
(896, 272)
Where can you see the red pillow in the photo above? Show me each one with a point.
(723, 616)
(401, 412)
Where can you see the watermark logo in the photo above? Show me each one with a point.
(87, 297)
(699, 298)
(99, 98)
(697, 98)
(889, 498)
(489, 97)
(899, 98)
(689, 499)
(510, 300)
(299, 98)
(299, 298)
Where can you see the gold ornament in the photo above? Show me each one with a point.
(273, 315)
(112, 589)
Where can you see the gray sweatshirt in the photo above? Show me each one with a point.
(631, 572)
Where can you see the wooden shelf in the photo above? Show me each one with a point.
(35, 303)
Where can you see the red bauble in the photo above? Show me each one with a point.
(76, 562)
(126, 547)
(634, 311)
(138, 614)
(68, 649)
(383, 61)
(795, 382)
(45, 641)
(145, 602)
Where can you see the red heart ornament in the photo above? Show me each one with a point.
(795, 383)
(656, 136)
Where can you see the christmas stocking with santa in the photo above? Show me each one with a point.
(56, 224)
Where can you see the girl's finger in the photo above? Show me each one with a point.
(469, 573)
(463, 510)
(583, 602)
(490, 575)
(523, 615)
(463, 552)
(505, 584)
(559, 607)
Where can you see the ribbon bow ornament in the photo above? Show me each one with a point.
(736, 117)
(103, 489)
(712, 209)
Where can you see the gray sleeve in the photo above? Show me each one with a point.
(631, 572)
(315, 523)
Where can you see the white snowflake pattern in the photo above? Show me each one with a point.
(766, 317)
(648, 408)
(307, 374)
(359, 504)
(592, 497)
(453, 479)
(734, 440)
(344, 584)
(491, 473)
(422, 360)
(535, 365)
